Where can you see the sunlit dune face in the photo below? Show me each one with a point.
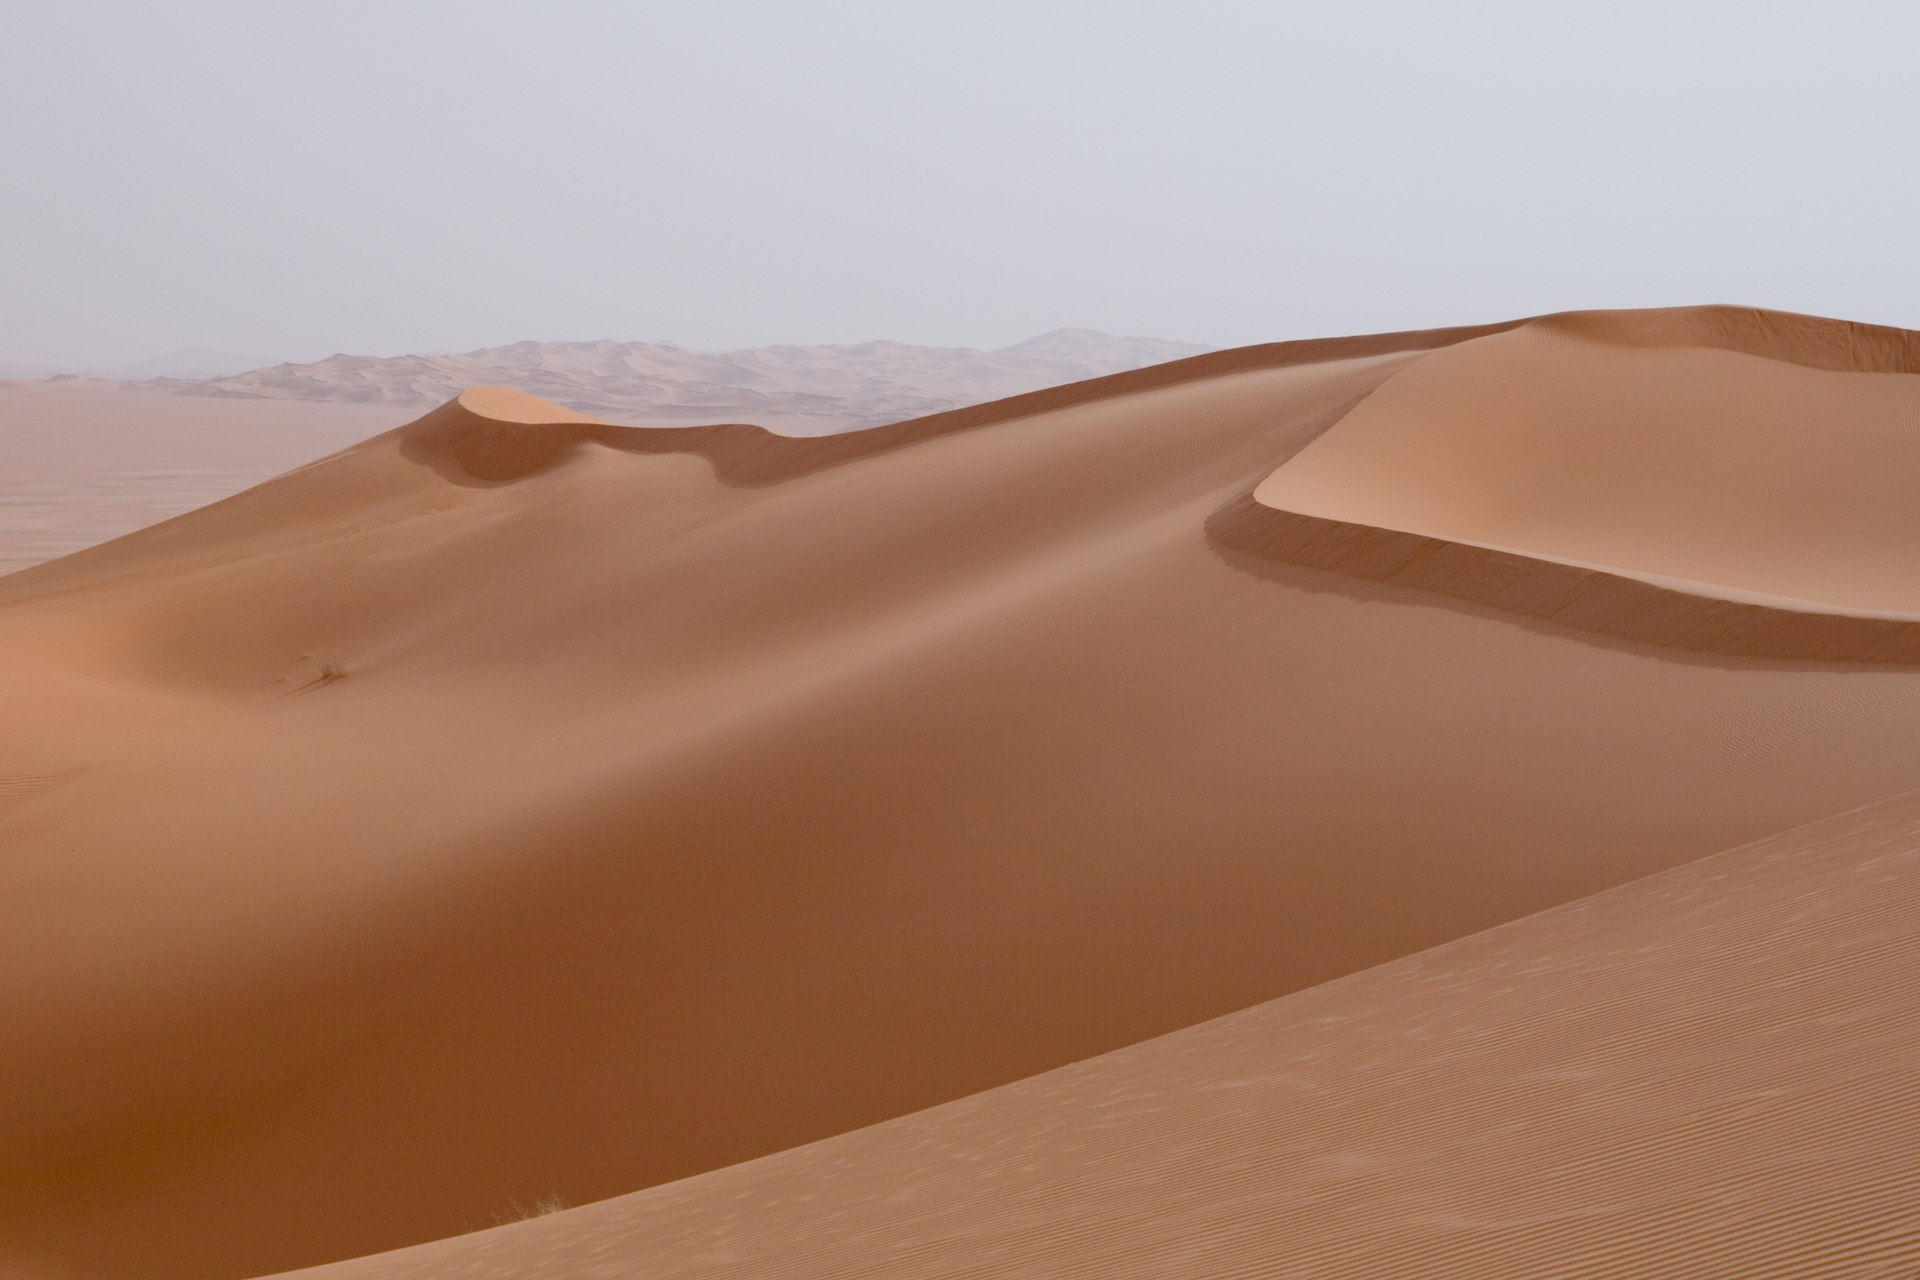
(1695, 463)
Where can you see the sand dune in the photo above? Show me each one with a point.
(1701, 1074)
(1743, 489)
(800, 390)
(91, 459)
(515, 804)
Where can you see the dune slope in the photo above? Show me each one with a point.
(1723, 479)
(1699, 1074)
(515, 805)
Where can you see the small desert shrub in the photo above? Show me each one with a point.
(541, 1208)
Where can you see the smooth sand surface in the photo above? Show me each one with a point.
(1705, 1074)
(1765, 472)
(514, 805)
(79, 466)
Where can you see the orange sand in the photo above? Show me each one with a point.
(516, 805)
(1701, 1074)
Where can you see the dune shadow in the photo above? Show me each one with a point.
(1371, 565)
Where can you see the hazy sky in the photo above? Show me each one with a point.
(292, 179)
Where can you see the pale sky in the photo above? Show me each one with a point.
(292, 179)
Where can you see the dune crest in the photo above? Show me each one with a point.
(478, 422)
(1818, 342)
(497, 435)
(1716, 479)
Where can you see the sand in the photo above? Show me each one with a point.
(515, 805)
(1701, 1074)
(83, 465)
(89, 459)
(1743, 491)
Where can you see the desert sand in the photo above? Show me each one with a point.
(1701, 1074)
(515, 805)
(86, 464)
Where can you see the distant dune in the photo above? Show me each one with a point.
(799, 390)
(190, 363)
(517, 805)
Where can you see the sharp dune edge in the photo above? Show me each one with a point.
(517, 805)
(1739, 450)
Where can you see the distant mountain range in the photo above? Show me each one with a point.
(800, 390)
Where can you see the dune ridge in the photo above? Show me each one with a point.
(1818, 342)
(1667, 613)
(91, 459)
(752, 454)
(1504, 472)
(482, 420)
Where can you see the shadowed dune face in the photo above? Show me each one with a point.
(515, 805)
